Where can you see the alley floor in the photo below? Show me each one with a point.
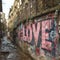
(8, 51)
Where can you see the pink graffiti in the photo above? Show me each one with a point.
(29, 37)
(25, 36)
(45, 25)
(45, 35)
(36, 32)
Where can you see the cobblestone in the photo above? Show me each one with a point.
(9, 51)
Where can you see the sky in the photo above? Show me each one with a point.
(6, 4)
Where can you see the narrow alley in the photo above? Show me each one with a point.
(9, 51)
(29, 29)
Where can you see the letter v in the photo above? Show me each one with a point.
(36, 32)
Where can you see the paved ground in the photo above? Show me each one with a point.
(10, 52)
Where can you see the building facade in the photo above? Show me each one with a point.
(0, 5)
(35, 23)
(13, 14)
(3, 22)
